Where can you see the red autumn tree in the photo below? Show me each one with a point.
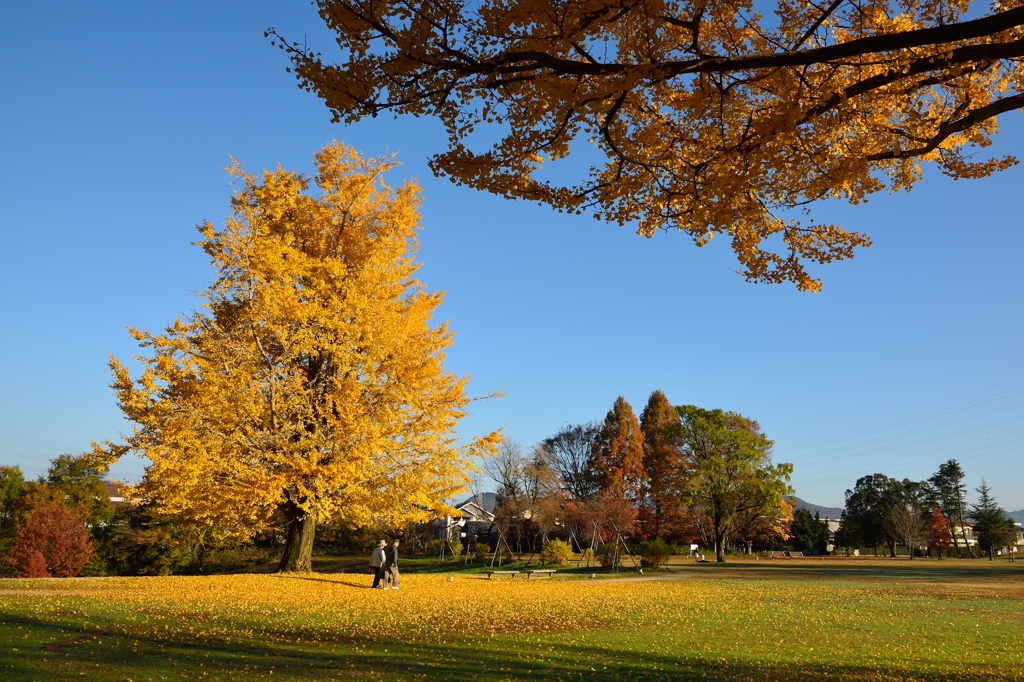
(939, 536)
(619, 454)
(662, 510)
(617, 515)
(58, 536)
(36, 567)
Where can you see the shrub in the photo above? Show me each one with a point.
(556, 553)
(434, 548)
(60, 538)
(483, 550)
(36, 567)
(654, 553)
(588, 556)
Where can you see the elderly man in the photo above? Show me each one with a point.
(377, 564)
(391, 565)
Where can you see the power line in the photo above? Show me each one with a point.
(939, 436)
(920, 418)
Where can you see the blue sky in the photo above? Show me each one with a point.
(118, 117)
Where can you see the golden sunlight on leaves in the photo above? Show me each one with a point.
(707, 117)
(312, 383)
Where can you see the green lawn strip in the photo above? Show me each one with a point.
(759, 630)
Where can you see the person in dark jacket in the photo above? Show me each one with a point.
(377, 564)
(391, 565)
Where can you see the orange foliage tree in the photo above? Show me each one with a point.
(311, 385)
(619, 454)
(53, 533)
(703, 116)
(940, 538)
(757, 525)
(663, 464)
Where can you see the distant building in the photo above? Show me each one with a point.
(831, 527)
(114, 494)
(962, 531)
(1019, 547)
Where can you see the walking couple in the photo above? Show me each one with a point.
(384, 564)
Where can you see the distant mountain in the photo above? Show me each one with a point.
(487, 501)
(1017, 516)
(825, 512)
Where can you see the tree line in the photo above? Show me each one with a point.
(307, 393)
(884, 512)
(675, 474)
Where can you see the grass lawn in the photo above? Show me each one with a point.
(850, 620)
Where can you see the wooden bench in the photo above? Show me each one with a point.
(779, 555)
(540, 571)
(510, 574)
(796, 555)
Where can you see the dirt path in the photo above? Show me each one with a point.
(654, 577)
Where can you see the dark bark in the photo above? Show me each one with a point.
(719, 539)
(298, 547)
(519, 64)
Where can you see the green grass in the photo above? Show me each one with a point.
(851, 620)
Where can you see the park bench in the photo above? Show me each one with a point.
(510, 574)
(778, 555)
(549, 572)
(796, 555)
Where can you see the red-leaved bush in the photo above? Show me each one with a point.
(57, 537)
(36, 567)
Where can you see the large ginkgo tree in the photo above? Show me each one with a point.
(310, 385)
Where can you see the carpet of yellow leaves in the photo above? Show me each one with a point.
(581, 629)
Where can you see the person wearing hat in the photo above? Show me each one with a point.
(377, 565)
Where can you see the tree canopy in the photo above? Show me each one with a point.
(729, 470)
(871, 508)
(311, 385)
(572, 456)
(991, 526)
(703, 116)
(664, 467)
(948, 491)
(619, 454)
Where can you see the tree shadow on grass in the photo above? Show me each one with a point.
(105, 654)
(918, 570)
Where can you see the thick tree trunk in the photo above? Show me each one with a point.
(720, 528)
(298, 547)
